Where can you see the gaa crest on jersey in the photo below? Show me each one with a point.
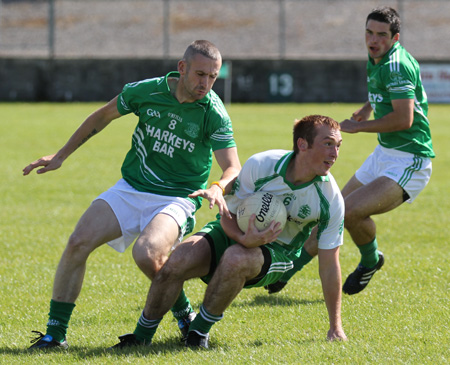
(396, 76)
(192, 130)
(372, 82)
(304, 211)
(226, 122)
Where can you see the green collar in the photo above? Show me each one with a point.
(281, 169)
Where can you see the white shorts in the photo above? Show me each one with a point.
(411, 172)
(135, 209)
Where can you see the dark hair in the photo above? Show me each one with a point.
(205, 48)
(306, 128)
(388, 15)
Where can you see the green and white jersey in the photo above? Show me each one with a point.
(316, 202)
(171, 149)
(397, 76)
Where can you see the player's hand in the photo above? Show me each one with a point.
(356, 117)
(336, 334)
(350, 126)
(215, 197)
(49, 162)
(363, 113)
(255, 238)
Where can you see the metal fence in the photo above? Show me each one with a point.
(268, 29)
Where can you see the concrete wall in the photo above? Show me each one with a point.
(252, 80)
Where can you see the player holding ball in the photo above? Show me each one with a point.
(229, 260)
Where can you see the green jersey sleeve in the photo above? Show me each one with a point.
(219, 128)
(132, 95)
(400, 80)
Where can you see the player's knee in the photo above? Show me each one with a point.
(79, 244)
(347, 220)
(171, 270)
(353, 214)
(352, 218)
(236, 259)
(149, 261)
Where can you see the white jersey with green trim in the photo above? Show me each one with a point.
(316, 202)
(171, 149)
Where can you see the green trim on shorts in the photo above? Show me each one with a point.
(188, 226)
(409, 171)
(279, 263)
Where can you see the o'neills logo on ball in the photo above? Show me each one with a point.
(265, 206)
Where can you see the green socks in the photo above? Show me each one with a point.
(58, 319)
(304, 259)
(60, 313)
(182, 307)
(204, 321)
(145, 329)
(369, 254)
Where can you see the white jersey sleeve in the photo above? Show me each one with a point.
(331, 223)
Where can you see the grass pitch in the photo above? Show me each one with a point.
(401, 317)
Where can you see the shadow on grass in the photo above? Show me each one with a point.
(298, 341)
(172, 346)
(277, 300)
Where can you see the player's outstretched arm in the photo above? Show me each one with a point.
(228, 160)
(93, 124)
(330, 275)
(399, 119)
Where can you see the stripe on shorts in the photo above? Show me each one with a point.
(280, 267)
(409, 171)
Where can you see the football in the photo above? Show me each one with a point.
(267, 208)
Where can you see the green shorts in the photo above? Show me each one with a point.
(276, 262)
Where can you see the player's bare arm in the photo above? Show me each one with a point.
(228, 160)
(399, 119)
(330, 275)
(93, 124)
